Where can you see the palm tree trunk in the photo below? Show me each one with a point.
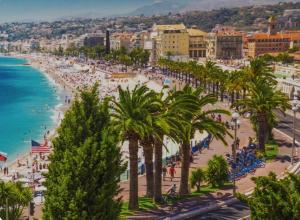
(133, 163)
(185, 166)
(244, 93)
(158, 170)
(232, 97)
(148, 152)
(237, 95)
(262, 130)
(222, 95)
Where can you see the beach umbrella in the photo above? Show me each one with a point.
(6, 178)
(37, 176)
(23, 180)
(40, 189)
(3, 156)
(44, 171)
(42, 180)
(25, 171)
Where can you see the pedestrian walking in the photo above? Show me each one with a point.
(172, 172)
(164, 171)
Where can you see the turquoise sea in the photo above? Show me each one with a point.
(27, 102)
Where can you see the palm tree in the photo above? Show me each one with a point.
(259, 69)
(198, 119)
(261, 101)
(13, 198)
(132, 119)
(236, 82)
(167, 122)
(197, 177)
(147, 144)
(210, 69)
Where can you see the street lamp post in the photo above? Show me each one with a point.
(295, 109)
(235, 116)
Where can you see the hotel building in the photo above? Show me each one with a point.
(170, 41)
(224, 43)
(272, 41)
(197, 44)
(119, 40)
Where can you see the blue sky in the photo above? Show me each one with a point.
(22, 10)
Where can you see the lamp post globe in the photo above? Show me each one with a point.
(235, 116)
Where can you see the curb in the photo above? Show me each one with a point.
(284, 134)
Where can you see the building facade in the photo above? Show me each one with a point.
(119, 40)
(92, 40)
(224, 46)
(197, 44)
(170, 41)
(272, 41)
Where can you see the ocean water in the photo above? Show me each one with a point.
(27, 106)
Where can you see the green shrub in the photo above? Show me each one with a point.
(197, 177)
(217, 171)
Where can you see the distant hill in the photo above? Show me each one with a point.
(248, 18)
(165, 6)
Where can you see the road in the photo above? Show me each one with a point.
(286, 125)
(236, 211)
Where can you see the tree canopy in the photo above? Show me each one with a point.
(274, 199)
(85, 169)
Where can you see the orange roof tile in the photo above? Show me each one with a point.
(260, 36)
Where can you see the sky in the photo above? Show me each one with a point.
(27, 10)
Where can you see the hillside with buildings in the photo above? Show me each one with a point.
(226, 34)
(179, 6)
(249, 18)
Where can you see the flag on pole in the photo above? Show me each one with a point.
(36, 147)
(3, 156)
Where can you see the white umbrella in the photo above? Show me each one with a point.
(37, 176)
(40, 188)
(44, 171)
(6, 178)
(23, 180)
(25, 171)
(42, 180)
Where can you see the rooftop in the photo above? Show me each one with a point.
(257, 36)
(169, 27)
(196, 32)
(293, 35)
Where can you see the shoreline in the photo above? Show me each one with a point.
(71, 75)
(56, 116)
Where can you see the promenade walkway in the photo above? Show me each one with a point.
(244, 185)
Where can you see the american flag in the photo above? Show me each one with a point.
(36, 147)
